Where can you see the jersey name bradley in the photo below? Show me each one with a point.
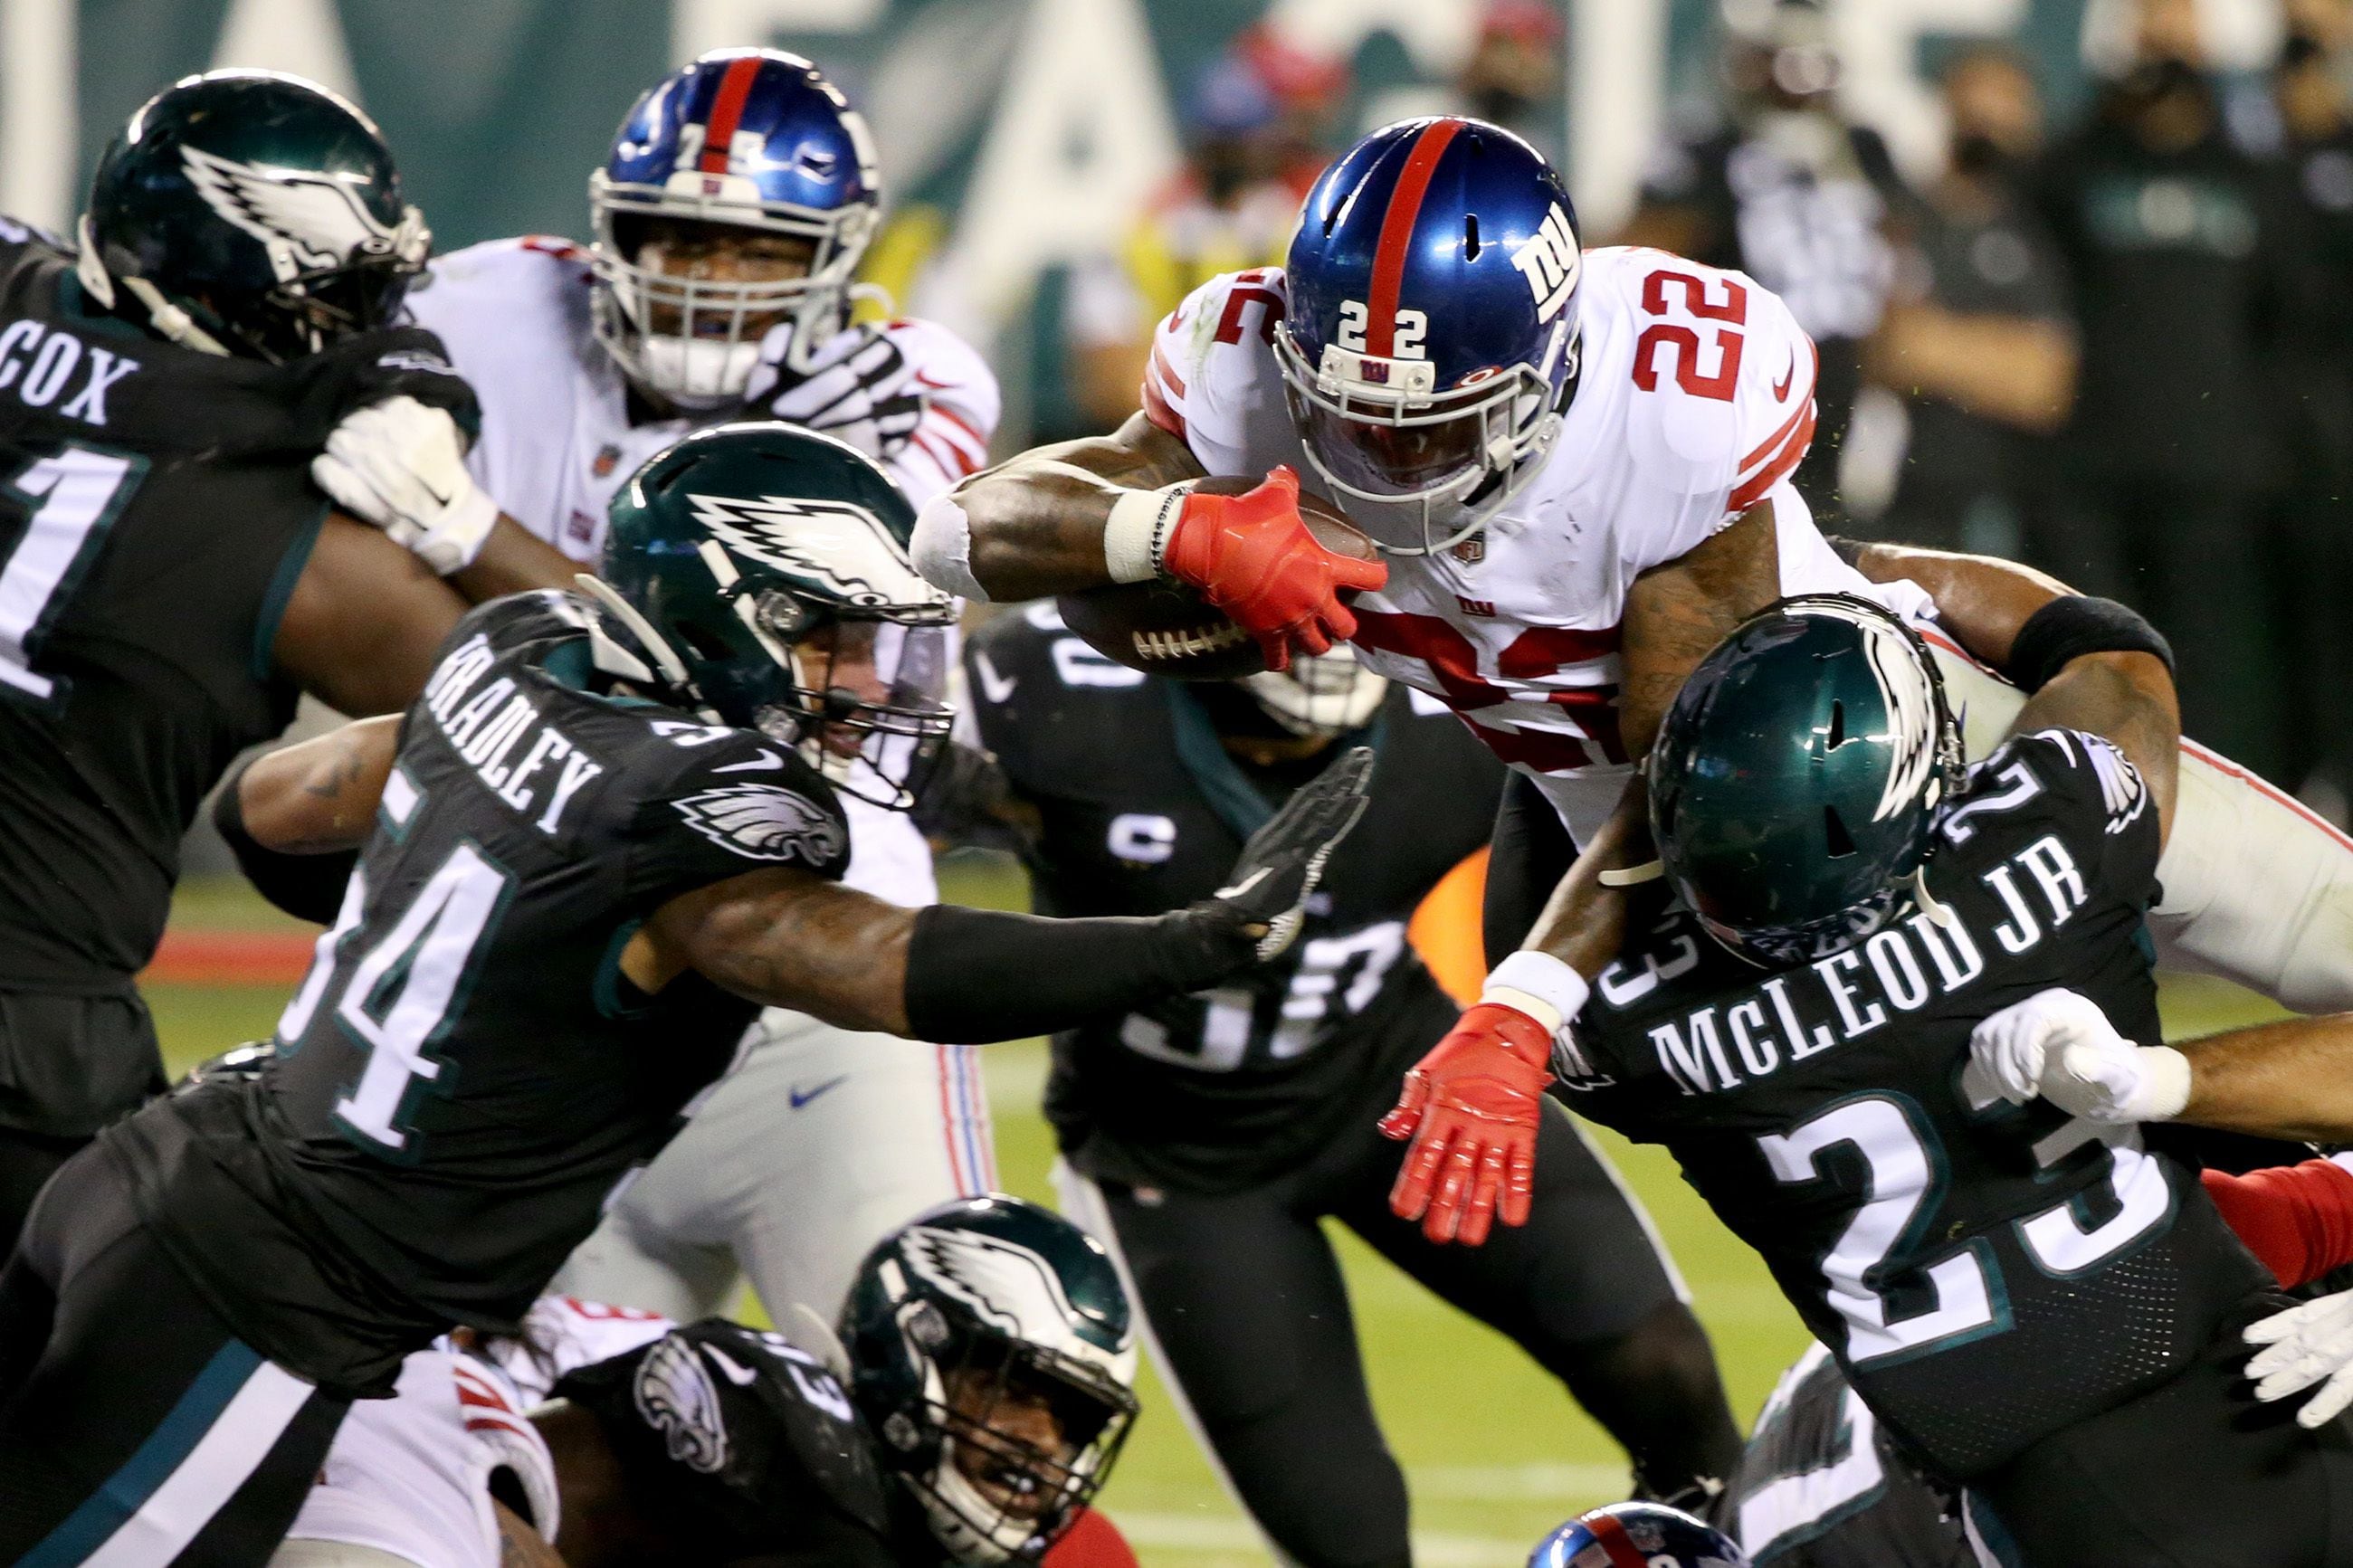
(487, 727)
(1801, 1013)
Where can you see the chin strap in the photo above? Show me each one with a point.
(174, 323)
(613, 656)
(1634, 876)
(1940, 912)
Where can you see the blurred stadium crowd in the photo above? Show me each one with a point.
(2116, 346)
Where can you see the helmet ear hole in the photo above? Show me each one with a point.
(1470, 236)
(1837, 737)
(1841, 842)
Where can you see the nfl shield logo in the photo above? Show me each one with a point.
(1471, 550)
(608, 458)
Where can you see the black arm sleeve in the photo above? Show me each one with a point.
(1533, 852)
(308, 887)
(975, 976)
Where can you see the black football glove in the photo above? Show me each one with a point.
(857, 388)
(1265, 896)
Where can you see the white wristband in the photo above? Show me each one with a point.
(1137, 531)
(2164, 1091)
(1538, 985)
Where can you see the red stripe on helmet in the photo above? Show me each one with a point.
(1623, 1552)
(726, 112)
(1396, 233)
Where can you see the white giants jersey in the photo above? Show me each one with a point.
(411, 1475)
(556, 440)
(1694, 402)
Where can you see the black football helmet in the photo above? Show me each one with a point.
(250, 213)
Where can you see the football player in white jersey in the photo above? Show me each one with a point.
(737, 200)
(1578, 467)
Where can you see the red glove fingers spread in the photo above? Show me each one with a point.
(1252, 557)
(1471, 1106)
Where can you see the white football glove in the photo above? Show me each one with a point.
(857, 388)
(2306, 1344)
(401, 466)
(2060, 1044)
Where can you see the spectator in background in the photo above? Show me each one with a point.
(1513, 77)
(1786, 190)
(2181, 258)
(1976, 338)
(2313, 565)
(1256, 127)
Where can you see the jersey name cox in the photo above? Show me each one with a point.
(1802, 1013)
(38, 360)
(487, 729)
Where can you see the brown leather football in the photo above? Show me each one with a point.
(1167, 629)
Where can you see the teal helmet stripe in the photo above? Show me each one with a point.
(1798, 774)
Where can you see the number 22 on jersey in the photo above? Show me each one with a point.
(403, 994)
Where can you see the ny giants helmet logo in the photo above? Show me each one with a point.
(307, 222)
(1549, 261)
(761, 822)
(675, 1396)
(841, 547)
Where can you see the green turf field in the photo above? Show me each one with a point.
(1494, 1450)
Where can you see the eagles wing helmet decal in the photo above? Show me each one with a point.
(844, 547)
(1009, 1288)
(675, 1396)
(1911, 709)
(763, 822)
(307, 221)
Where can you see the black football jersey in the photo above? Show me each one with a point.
(465, 1073)
(1986, 1273)
(155, 510)
(734, 1444)
(1820, 1486)
(1143, 811)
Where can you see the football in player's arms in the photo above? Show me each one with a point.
(1207, 1137)
(971, 1407)
(175, 586)
(597, 849)
(1847, 907)
(719, 287)
(1578, 465)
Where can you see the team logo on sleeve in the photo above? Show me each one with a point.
(2120, 788)
(306, 221)
(764, 822)
(675, 1397)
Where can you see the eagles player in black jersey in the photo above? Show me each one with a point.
(602, 840)
(170, 578)
(972, 1405)
(2043, 1315)
(1207, 1136)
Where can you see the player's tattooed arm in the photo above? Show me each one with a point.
(1037, 520)
(521, 1546)
(1676, 613)
(784, 938)
(2128, 700)
(1982, 600)
(365, 621)
(321, 795)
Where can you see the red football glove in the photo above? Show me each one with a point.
(1470, 1108)
(1252, 557)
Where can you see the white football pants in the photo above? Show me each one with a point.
(2256, 888)
(819, 1142)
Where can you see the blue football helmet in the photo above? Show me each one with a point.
(756, 138)
(1432, 337)
(1637, 1535)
